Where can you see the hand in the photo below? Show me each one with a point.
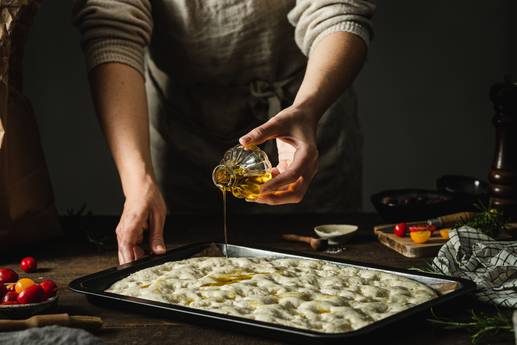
(294, 129)
(144, 209)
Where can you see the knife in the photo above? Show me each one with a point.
(441, 222)
(450, 219)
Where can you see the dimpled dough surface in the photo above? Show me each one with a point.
(308, 294)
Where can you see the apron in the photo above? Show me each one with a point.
(199, 110)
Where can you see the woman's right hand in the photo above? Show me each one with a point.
(144, 209)
(121, 104)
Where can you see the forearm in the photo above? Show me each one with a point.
(333, 64)
(120, 101)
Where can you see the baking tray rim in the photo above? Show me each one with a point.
(77, 285)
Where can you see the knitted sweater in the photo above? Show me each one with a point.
(119, 30)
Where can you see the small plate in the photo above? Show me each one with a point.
(17, 311)
(336, 233)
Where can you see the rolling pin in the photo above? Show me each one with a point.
(451, 219)
(315, 243)
(89, 323)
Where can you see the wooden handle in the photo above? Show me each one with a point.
(451, 219)
(12, 325)
(89, 323)
(35, 321)
(297, 238)
(85, 322)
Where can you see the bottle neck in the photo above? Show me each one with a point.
(223, 177)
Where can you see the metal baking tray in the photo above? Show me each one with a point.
(93, 287)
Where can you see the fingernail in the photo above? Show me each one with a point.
(160, 248)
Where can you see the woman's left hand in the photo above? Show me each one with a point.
(294, 129)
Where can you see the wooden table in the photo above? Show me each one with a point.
(73, 255)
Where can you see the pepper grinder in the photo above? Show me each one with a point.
(503, 173)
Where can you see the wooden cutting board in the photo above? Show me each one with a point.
(404, 245)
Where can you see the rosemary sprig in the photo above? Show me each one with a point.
(480, 325)
(427, 267)
(489, 221)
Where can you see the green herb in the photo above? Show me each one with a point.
(489, 221)
(480, 325)
(427, 267)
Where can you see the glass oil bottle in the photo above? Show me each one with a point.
(241, 172)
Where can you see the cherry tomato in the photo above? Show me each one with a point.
(10, 296)
(32, 294)
(417, 228)
(7, 275)
(23, 284)
(10, 303)
(420, 236)
(28, 264)
(400, 229)
(49, 287)
(444, 233)
(3, 290)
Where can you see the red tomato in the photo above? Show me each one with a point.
(28, 264)
(3, 290)
(400, 229)
(416, 228)
(7, 275)
(432, 228)
(10, 303)
(10, 296)
(49, 288)
(32, 294)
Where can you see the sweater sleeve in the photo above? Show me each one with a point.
(114, 31)
(313, 20)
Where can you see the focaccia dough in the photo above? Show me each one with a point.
(301, 293)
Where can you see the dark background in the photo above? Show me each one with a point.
(423, 94)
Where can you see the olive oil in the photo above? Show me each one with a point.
(245, 187)
(241, 183)
(242, 171)
(226, 279)
(225, 222)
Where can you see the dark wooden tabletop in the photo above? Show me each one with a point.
(88, 246)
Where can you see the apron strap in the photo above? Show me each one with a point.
(271, 92)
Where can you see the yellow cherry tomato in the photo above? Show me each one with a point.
(420, 236)
(22, 284)
(444, 233)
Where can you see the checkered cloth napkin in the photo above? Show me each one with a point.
(491, 264)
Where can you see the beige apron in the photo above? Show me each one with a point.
(212, 96)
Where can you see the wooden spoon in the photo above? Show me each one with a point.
(315, 243)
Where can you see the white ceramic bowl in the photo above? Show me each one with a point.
(336, 233)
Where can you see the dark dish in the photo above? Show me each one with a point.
(17, 311)
(472, 190)
(403, 205)
(94, 285)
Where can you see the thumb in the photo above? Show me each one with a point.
(156, 234)
(260, 134)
